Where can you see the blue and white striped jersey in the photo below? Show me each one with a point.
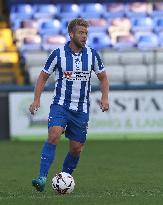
(72, 76)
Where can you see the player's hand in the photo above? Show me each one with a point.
(104, 105)
(34, 107)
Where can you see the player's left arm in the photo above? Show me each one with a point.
(104, 84)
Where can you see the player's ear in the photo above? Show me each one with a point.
(71, 35)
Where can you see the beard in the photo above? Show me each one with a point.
(77, 43)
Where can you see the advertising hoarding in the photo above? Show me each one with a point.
(130, 112)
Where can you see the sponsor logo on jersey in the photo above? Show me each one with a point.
(67, 74)
(77, 76)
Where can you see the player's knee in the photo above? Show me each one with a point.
(76, 150)
(53, 138)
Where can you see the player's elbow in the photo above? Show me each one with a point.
(102, 76)
(43, 76)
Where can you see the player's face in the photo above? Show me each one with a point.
(79, 36)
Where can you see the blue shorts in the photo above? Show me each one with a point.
(75, 123)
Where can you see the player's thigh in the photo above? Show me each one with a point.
(54, 134)
(57, 122)
(77, 127)
(57, 116)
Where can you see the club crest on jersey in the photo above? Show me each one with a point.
(77, 75)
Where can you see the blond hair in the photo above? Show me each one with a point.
(77, 22)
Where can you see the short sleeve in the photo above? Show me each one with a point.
(51, 62)
(98, 64)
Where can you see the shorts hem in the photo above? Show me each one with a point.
(77, 140)
(54, 125)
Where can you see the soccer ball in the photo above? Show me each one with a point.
(63, 183)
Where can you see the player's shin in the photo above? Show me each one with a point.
(47, 157)
(70, 163)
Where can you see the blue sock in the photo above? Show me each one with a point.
(47, 157)
(70, 163)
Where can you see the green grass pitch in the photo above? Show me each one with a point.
(121, 172)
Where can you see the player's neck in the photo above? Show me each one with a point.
(74, 48)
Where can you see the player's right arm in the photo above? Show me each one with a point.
(44, 75)
(40, 84)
